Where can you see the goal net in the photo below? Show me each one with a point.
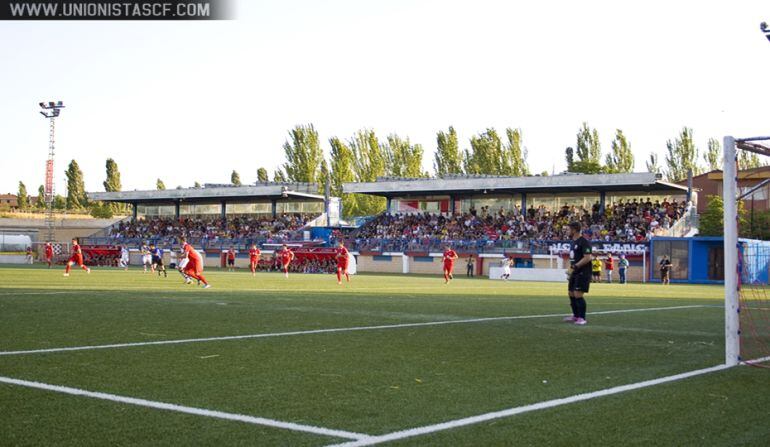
(747, 251)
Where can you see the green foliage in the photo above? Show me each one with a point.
(486, 155)
(303, 155)
(652, 163)
(22, 198)
(76, 190)
(586, 158)
(342, 171)
(112, 184)
(402, 158)
(569, 156)
(681, 156)
(279, 176)
(59, 202)
(262, 175)
(369, 163)
(621, 158)
(101, 210)
(159, 185)
(448, 158)
(544, 174)
(515, 154)
(711, 221)
(749, 160)
(235, 178)
(40, 203)
(196, 185)
(713, 155)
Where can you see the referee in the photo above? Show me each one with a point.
(579, 274)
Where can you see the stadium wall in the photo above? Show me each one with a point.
(64, 229)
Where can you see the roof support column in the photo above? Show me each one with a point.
(274, 207)
(524, 203)
(451, 204)
(135, 210)
(602, 202)
(223, 212)
(176, 209)
(387, 204)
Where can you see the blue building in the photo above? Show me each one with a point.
(700, 260)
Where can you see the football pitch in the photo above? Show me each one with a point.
(126, 358)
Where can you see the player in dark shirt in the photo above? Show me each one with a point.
(665, 270)
(157, 260)
(579, 274)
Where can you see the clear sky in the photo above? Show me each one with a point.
(191, 101)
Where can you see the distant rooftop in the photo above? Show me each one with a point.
(216, 192)
(489, 184)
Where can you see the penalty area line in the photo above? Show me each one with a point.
(187, 410)
(428, 429)
(332, 330)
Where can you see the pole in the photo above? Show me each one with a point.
(732, 304)
(49, 182)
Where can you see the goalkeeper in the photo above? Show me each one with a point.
(579, 274)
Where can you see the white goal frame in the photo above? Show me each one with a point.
(730, 199)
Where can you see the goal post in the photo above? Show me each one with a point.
(746, 261)
(730, 219)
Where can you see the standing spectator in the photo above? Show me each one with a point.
(622, 266)
(30, 258)
(470, 267)
(665, 270)
(609, 265)
(596, 269)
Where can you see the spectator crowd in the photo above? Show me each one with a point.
(631, 221)
(212, 229)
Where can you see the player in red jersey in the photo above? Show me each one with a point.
(342, 256)
(194, 267)
(49, 254)
(76, 258)
(450, 256)
(254, 255)
(231, 259)
(286, 256)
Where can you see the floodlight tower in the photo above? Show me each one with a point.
(51, 111)
(765, 29)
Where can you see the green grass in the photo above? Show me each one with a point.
(374, 381)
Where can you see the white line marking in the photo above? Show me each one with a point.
(332, 330)
(188, 410)
(37, 293)
(419, 431)
(755, 361)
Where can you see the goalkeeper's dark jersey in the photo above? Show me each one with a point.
(577, 250)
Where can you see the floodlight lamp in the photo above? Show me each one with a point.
(763, 26)
(42, 104)
(60, 104)
(51, 104)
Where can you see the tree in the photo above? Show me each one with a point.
(303, 155)
(112, 183)
(59, 202)
(369, 163)
(569, 155)
(713, 155)
(159, 185)
(342, 171)
(652, 163)
(262, 175)
(196, 185)
(588, 152)
(76, 190)
(235, 178)
(279, 176)
(101, 210)
(448, 159)
(402, 158)
(40, 197)
(681, 156)
(749, 160)
(486, 155)
(515, 153)
(621, 158)
(711, 221)
(22, 199)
